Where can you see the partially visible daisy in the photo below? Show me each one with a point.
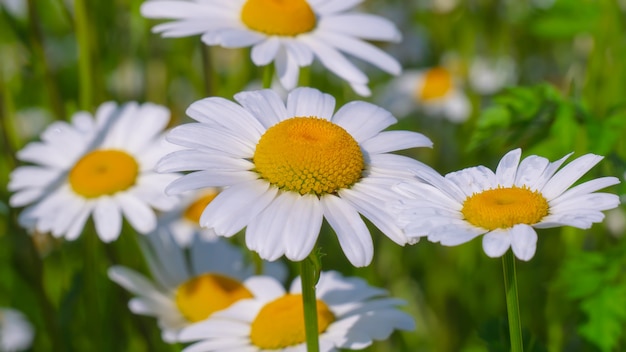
(183, 221)
(188, 290)
(506, 205)
(489, 75)
(16, 333)
(351, 314)
(435, 91)
(288, 33)
(285, 168)
(102, 166)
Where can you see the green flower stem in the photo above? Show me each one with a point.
(512, 302)
(268, 74)
(210, 75)
(309, 273)
(85, 68)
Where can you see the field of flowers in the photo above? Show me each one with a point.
(228, 175)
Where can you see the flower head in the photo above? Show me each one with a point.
(351, 314)
(285, 168)
(506, 205)
(183, 293)
(102, 166)
(434, 91)
(288, 33)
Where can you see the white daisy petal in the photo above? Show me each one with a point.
(107, 219)
(138, 214)
(265, 233)
(363, 120)
(265, 105)
(305, 102)
(265, 52)
(287, 69)
(523, 241)
(335, 61)
(362, 26)
(353, 235)
(395, 140)
(330, 7)
(530, 170)
(497, 242)
(303, 227)
(569, 174)
(507, 168)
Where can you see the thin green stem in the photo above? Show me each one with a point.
(84, 56)
(268, 74)
(512, 302)
(309, 271)
(210, 75)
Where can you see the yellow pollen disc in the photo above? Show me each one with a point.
(502, 208)
(278, 17)
(308, 155)
(280, 323)
(103, 172)
(206, 294)
(195, 209)
(437, 84)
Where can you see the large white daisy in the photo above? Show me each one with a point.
(288, 167)
(506, 205)
(351, 314)
(188, 288)
(102, 166)
(288, 33)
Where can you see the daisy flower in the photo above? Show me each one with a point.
(16, 333)
(184, 220)
(506, 205)
(189, 289)
(435, 91)
(288, 33)
(350, 315)
(102, 166)
(285, 168)
(489, 75)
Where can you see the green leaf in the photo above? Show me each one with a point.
(607, 317)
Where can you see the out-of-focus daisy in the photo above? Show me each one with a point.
(288, 33)
(351, 314)
(506, 205)
(184, 220)
(102, 166)
(288, 167)
(488, 76)
(16, 333)
(435, 91)
(188, 290)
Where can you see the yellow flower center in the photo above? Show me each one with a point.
(437, 84)
(308, 155)
(278, 17)
(103, 172)
(206, 294)
(502, 208)
(195, 209)
(280, 323)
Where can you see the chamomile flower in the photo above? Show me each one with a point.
(506, 205)
(288, 33)
(285, 168)
(434, 91)
(184, 220)
(185, 291)
(102, 166)
(16, 332)
(351, 314)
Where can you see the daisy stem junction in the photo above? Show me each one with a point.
(512, 302)
(309, 274)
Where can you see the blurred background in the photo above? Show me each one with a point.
(548, 76)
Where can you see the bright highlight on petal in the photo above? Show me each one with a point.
(309, 155)
(437, 84)
(206, 294)
(278, 17)
(280, 323)
(195, 209)
(502, 208)
(103, 172)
